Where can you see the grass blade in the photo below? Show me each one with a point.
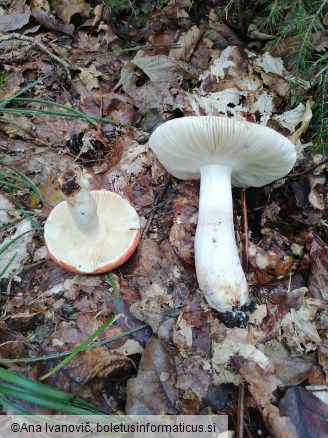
(66, 353)
(2, 273)
(3, 102)
(26, 180)
(80, 348)
(3, 248)
(39, 390)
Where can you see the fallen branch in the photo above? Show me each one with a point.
(309, 170)
(42, 47)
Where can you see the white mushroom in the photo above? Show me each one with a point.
(91, 231)
(221, 151)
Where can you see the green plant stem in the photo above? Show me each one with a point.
(69, 115)
(134, 49)
(66, 353)
(80, 348)
(3, 102)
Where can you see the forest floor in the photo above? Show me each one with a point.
(114, 79)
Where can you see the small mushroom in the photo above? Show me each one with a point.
(91, 231)
(221, 151)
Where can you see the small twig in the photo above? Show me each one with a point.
(309, 170)
(245, 222)
(240, 413)
(159, 197)
(42, 47)
(135, 49)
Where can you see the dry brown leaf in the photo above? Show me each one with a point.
(17, 126)
(270, 64)
(318, 279)
(290, 119)
(224, 30)
(132, 159)
(234, 342)
(320, 40)
(120, 108)
(262, 384)
(51, 22)
(15, 20)
(325, 19)
(18, 251)
(268, 263)
(298, 327)
(89, 77)
(291, 370)
(185, 211)
(316, 198)
(323, 358)
(65, 10)
(89, 371)
(306, 118)
(176, 8)
(308, 413)
(149, 80)
(188, 40)
(40, 4)
(153, 391)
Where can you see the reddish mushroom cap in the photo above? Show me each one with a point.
(115, 243)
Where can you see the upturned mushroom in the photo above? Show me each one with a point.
(91, 232)
(221, 152)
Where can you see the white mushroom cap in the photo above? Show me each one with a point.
(257, 154)
(108, 242)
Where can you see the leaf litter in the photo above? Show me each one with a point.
(187, 360)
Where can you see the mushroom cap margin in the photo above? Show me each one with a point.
(257, 154)
(67, 248)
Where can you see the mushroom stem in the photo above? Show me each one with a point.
(219, 271)
(75, 188)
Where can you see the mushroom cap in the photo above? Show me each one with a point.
(256, 154)
(120, 235)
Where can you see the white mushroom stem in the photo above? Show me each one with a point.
(83, 209)
(219, 271)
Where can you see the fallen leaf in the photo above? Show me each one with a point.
(262, 385)
(17, 126)
(291, 370)
(156, 380)
(234, 342)
(320, 40)
(268, 263)
(176, 8)
(308, 413)
(188, 40)
(318, 279)
(298, 328)
(320, 391)
(89, 77)
(50, 22)
(16, 20)
(316, 198)
(17, 252)
(65, 10)
(270, 64)
(40, 4)
(290, 119)
(307, 116)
